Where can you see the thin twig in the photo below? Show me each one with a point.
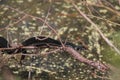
(45, 19)
(96, 27)
(106, 7)
(11, 24)
(38, 18)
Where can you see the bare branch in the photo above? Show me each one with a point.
(76, 55)
(38, 18)
(11, 24)
(97, 29)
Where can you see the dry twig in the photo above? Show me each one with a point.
(96, 27)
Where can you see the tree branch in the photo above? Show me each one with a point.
(76, 55)
(97, 29)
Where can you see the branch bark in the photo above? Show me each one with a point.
(76, 55)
